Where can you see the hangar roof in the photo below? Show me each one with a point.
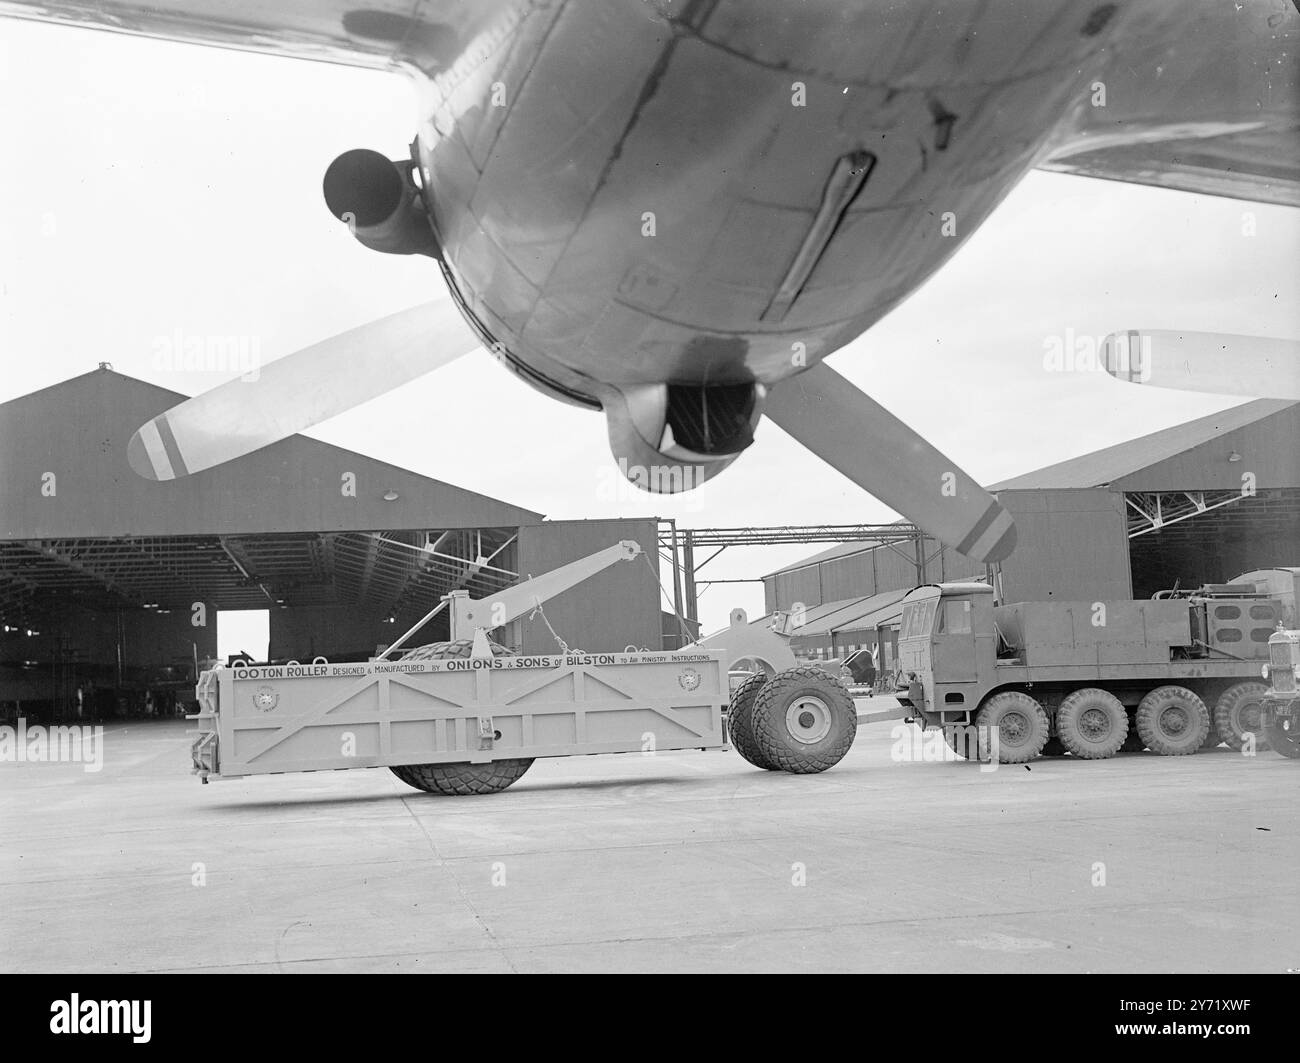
(852, 614)
(848, 614)
(273, 527)
(66, 476)
(1119, 466)
(829, 554)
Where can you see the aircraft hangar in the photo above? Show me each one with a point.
(1197, 503)
(111, 586)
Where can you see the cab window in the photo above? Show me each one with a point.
(917, 618)
(955, 619)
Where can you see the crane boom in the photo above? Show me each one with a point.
(469, 616)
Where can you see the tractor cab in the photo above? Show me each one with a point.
(946, 629)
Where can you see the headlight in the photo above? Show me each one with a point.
(1263, 670)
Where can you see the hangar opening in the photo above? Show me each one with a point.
(112, 586)
(1202, 501)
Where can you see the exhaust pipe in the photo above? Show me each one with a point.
(380, 203)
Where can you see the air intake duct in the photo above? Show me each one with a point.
(669, 438)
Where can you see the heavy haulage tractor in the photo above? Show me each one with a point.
(1280, 715)
(1174, 675)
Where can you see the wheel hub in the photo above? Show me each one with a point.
(1013, 727)
(1173, 721)
(808, 719)
(1094, 724)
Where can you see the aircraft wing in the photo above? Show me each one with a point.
(1207, 102)
(423, 35)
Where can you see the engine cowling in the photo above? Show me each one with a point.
(380, 202)
(669, 438)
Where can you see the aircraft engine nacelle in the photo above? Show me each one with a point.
(380, 202)
(669, 438)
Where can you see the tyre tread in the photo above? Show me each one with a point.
(768, 738)
(1148, 712)
(1044, 727)
(1225, 709)
(1067, 713)
(740, 721)
(460, 779)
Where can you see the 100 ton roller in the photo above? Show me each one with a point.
(469, 716)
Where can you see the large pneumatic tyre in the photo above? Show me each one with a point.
(740, 721)
(1092, 723)
(1237, 713)
(804, 721)
(1021, 724)
(460, 779)
(1172, 721)
(1282, 732)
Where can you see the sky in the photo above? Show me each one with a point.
(155, 187)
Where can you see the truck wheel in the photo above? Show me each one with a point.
(1237, 713)
(1283, 734)
(740, 721)
(1172, 721)
(460, 779)
(1092, 723)
(804, 721)
(1021, 725)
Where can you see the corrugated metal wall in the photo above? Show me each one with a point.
(1267, 450)
(614, 609)
(1073, 544)
(866, 573)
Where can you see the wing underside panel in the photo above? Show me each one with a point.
(1201, 96)
(1262, 166)
(423, 35)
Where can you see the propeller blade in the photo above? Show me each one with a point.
(1205, 361)
(298, 391)
(856, 435)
